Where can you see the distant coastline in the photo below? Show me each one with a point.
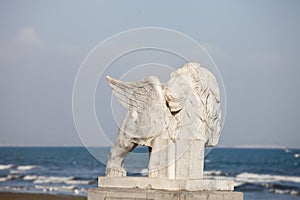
(219, 146)
(256, 147)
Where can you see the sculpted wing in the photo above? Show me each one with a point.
(146, 105)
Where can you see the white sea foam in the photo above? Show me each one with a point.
(279, 191)
(212, 172)
(265, 178)
(15, 172)
(47, 188)
(79, 182)
(52, 179)
(3, 167)
(287, 150)
(2, 179)
(294, 192)
(70, 188)
(144, 171)
(22, 169)
(13, 188)
(25, 167)
(246, 177)
(8, 177)
(30, 177)
(57, 179)
(5, 188)
(217, 175)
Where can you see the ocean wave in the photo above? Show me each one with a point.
(26, 167)
(220, 175)
(13, 188)
(290, 192)
(46, 188)
(251, 177)
(9, 177)
(4, 167)
(79, 182)
(287, 150)
(262, 180)
(70, 188)
(213, 173)
(52, 179)
(48, 184)
(30, 177)
(22, 169)
(3, 179)
(144, 172)
(275, 183)
(56, 179)
(265, 178)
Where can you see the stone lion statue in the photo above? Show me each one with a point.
(160, 115)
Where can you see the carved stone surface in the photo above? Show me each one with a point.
(166, 184)
(149, 194)
(176, 120)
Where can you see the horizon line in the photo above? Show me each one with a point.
(218, 146)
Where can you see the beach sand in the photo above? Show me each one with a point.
(30, 196)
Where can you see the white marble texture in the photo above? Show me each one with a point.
(144, 183)
(176, 120)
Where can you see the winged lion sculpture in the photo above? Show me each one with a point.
(187, 106)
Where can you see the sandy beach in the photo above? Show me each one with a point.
(30, 196)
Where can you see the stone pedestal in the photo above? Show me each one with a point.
(189, 161)
(183, 159)
(177, 120)
(138, 194)
(155, 189)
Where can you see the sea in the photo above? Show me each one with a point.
(259, 173)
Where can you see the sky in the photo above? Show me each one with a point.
(255, 45)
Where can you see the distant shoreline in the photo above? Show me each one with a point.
(255, 147)
(38, 196)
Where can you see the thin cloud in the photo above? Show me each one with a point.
(27, 36)
(27, 47)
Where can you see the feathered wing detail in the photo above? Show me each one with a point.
(146, 105)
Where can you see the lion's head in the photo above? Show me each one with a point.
(193, 91)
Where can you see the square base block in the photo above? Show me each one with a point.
(166, 184)
(150, 194)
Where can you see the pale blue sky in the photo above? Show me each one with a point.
(255, 44)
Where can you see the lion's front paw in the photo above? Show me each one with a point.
(153, 174)
(115, 172)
